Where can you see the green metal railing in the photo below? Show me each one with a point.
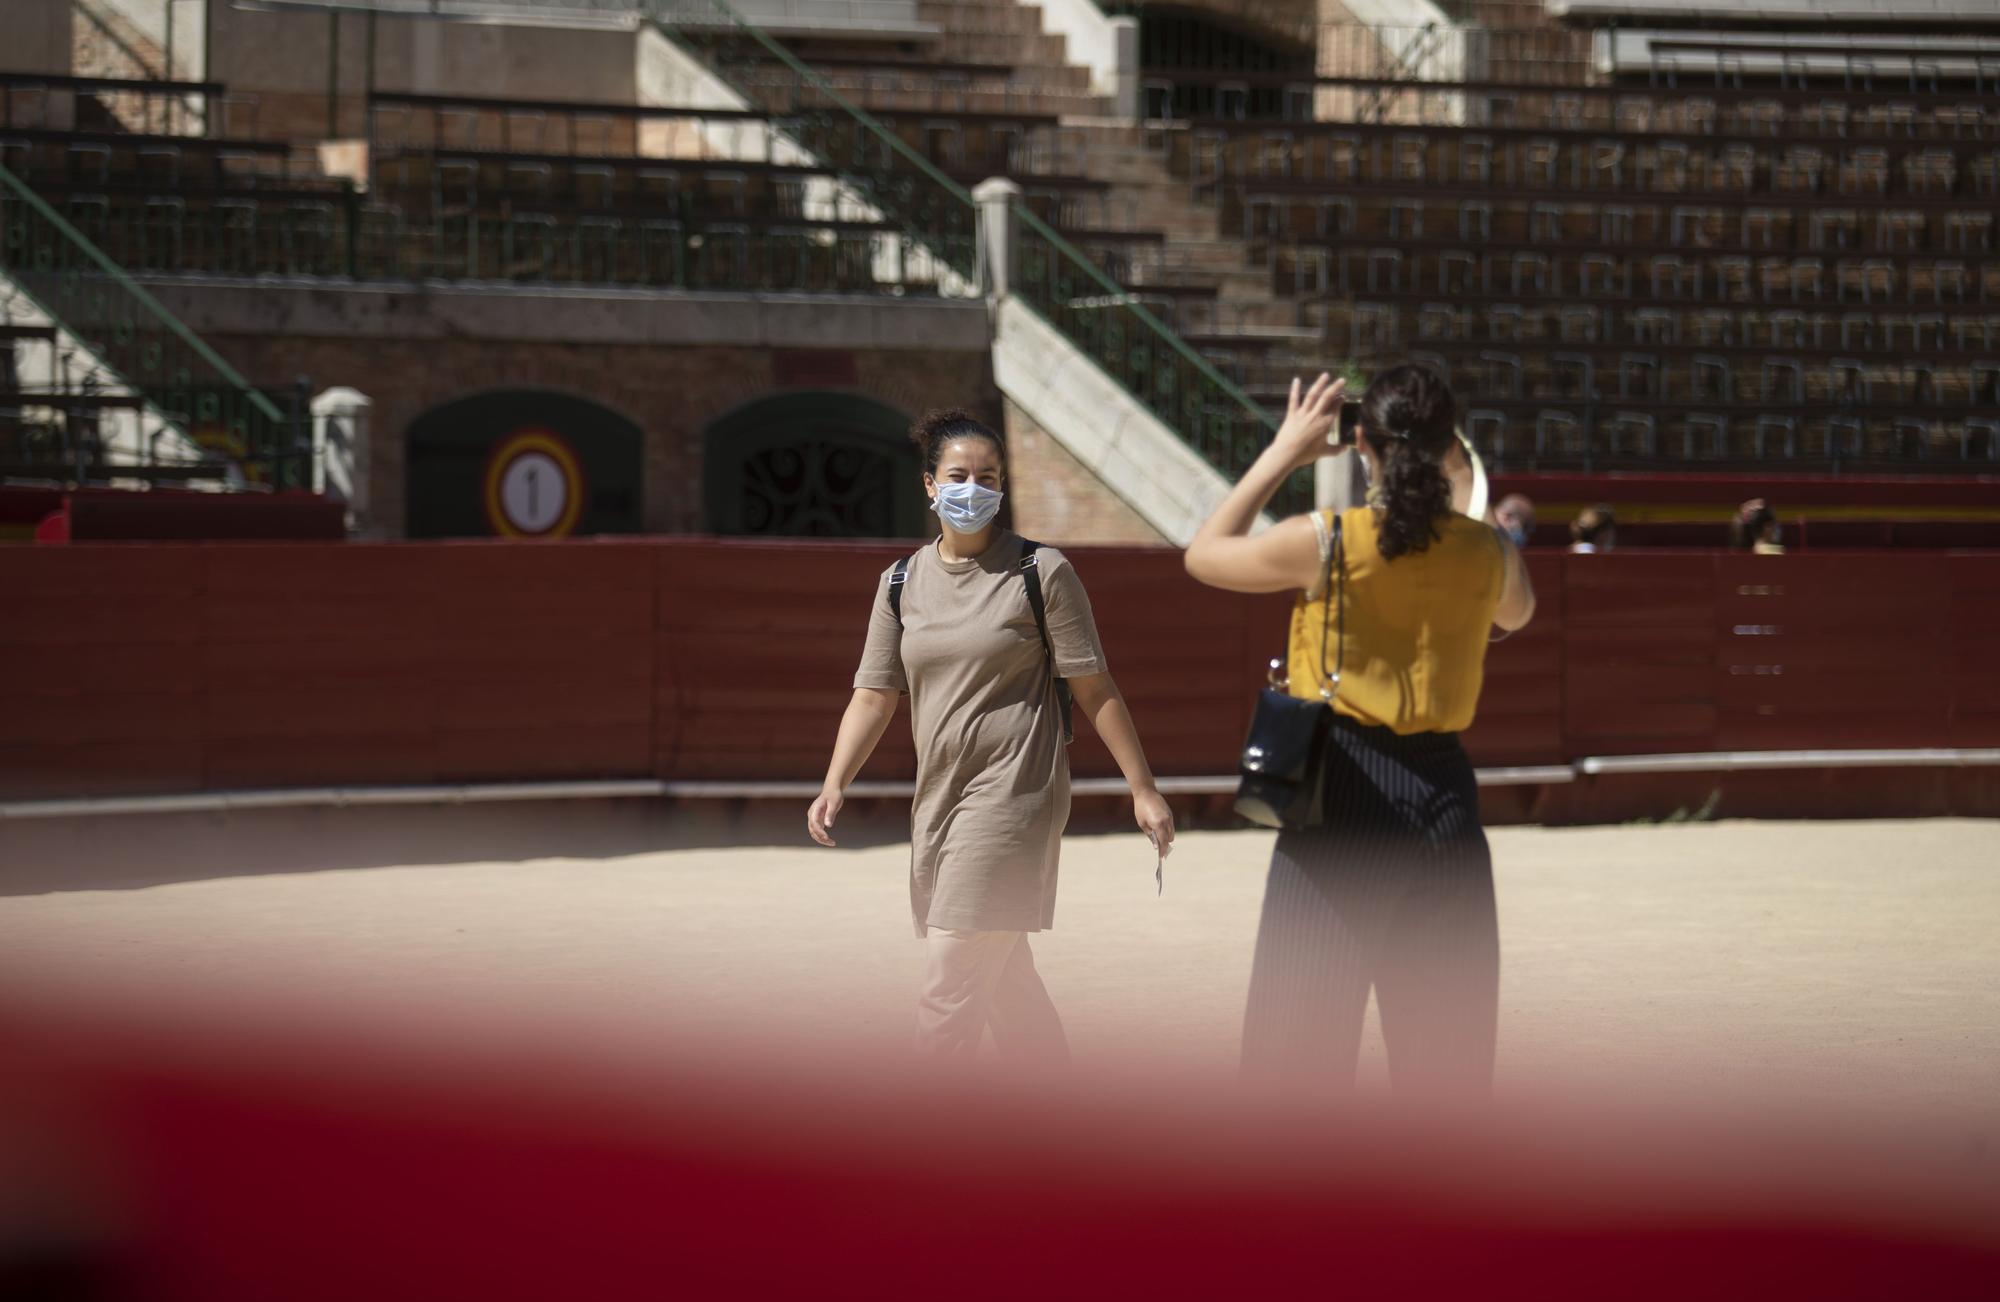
(1149, 361)
(182, 381)
(340, 235)
(1106, 321)
(925, 242)
(871, 160)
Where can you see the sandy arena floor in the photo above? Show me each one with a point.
(1850, 963)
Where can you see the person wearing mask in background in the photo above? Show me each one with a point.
(955, 626)
(1392, 891)
(1595, 529)
(1756, 529)
(1516, 516)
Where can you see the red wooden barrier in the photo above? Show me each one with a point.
(1658, 495)
(174, 668)
(191, 517)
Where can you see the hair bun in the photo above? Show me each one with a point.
(941, 426)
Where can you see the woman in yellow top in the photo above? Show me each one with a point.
(1394, 889)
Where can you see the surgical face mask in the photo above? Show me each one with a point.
(1517, 534)
(967, 507)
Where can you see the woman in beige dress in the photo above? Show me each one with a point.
(961, 638)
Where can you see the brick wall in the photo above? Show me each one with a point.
(672, 393)
(1056, 498)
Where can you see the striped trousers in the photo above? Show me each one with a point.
(1392, 892)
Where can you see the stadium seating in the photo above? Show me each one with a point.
(1625, 246)
(1625, 273)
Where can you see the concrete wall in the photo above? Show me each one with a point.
(38, 36)
(1062, 391)
(288, 59)
(1058, 500)
(672, 364)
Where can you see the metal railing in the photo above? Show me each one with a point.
(1096, 314)
(342, 234)
(927, 241)
(1150, 362)
(207, 420)
(1541, 55)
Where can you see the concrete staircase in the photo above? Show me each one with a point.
(1253, 334)
(103, 384)
(65, 412)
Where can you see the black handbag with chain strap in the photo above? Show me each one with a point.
(1283, 766)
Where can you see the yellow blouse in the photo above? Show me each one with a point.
(1416, 627)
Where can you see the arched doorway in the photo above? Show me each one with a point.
(816, 465)
(522, 463)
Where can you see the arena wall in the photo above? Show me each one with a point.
(290, 61)
(670, 364)
(143, 668)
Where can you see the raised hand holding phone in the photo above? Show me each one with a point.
(1309, 431)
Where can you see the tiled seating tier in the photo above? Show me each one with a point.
(1611, 274)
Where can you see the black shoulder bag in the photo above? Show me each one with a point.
(1031, 577)
(1283, 766)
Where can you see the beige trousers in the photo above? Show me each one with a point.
(977, 979)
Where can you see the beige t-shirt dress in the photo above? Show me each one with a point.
(992, 774)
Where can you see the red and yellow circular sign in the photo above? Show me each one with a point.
(534, 486)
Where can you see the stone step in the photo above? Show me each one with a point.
(1198, 250)
(910, 102)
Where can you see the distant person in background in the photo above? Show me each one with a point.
(1595, 529)
(1516, 517)
(1756, 529)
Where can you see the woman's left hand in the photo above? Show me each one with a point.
(1155, 819)
(1310, 414)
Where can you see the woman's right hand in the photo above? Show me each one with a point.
(819, 819)
(1309, 419)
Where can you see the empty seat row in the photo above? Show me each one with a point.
(1364, 322)
(1596, 373)
(1343, 154)
(1644, 279)
(70, 158)
(1945, 111)
(1530, 434)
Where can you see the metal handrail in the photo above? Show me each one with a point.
(128, 340)
(138, 294)
(663, 14)
(673, 15)
(1178, 344)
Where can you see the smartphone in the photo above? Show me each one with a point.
(1350, 422)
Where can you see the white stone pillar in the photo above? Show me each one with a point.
(1339, 482)
(340, 431)
(1125, 38)
(996, 197)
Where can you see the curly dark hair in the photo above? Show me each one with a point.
(1410, 421)
(1594, 524)
(1746, 530)
(940, 427)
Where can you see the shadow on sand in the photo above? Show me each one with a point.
(134, 851)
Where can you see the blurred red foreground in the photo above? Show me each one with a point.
(132, 1167)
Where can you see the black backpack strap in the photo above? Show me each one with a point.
(1031, 576)
(897, 578)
